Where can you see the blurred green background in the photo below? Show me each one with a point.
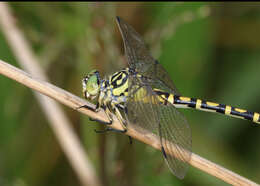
(211, 51)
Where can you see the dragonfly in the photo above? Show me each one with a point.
(144, 95)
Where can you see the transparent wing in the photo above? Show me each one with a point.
(139, 58)
(146, 112)
(143, 107)
(174, 128)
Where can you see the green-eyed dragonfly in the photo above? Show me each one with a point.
(144, 95)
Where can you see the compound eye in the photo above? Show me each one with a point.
(92, 85)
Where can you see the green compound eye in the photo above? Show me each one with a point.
(92, 86)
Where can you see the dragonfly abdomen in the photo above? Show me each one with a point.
(180, 101)
(187, 102)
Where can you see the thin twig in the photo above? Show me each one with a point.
(73, 101)
(57, 119)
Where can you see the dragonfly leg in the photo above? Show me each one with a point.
(97, 109)
(119, 116)
(130, 140)
(114, 130)
(100, 121)
(107, 112)
(108, 129)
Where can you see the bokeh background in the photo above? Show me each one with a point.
(211, 51)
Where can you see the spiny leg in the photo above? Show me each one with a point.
(130, 140)
(119, 117)
(108, 113)
(108, 129)
(121, 120)
(96, 109)
(100, 121)
(114, 130)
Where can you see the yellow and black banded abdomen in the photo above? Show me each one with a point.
(186, 102)
(216, 107)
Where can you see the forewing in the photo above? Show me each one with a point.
(145, 111)
(139, 57)
(143, 107)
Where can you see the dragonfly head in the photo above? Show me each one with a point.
(91, 85)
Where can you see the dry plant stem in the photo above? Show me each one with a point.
(57, 119)
(67, 139)
(148, 138)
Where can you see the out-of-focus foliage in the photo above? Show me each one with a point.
(210, 51)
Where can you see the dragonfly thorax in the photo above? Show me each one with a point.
(114, 88)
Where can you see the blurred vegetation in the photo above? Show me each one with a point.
(211, 51)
